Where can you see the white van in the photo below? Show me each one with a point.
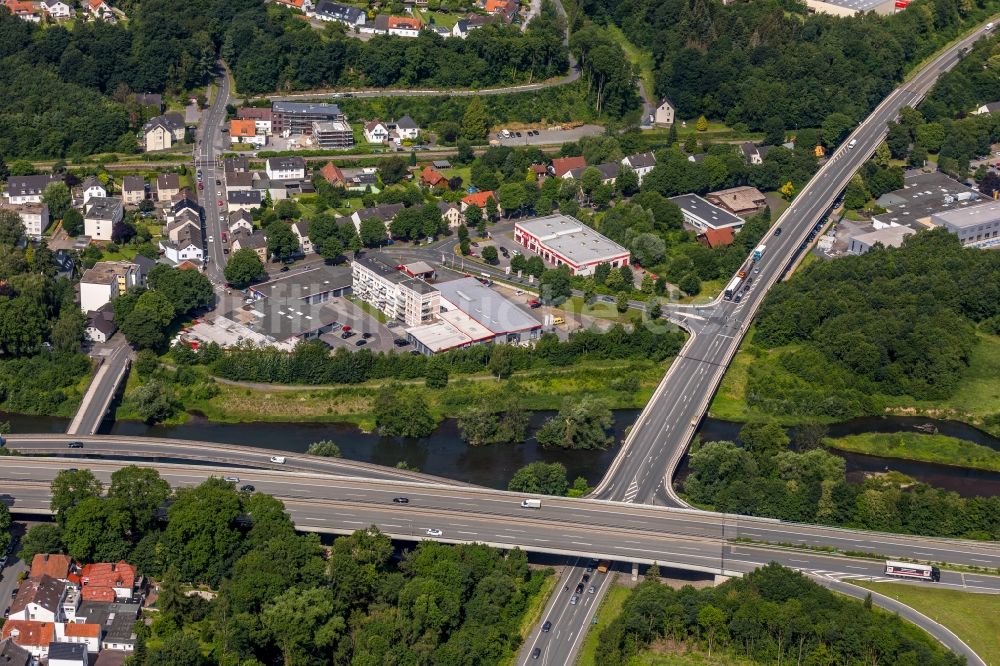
(278, 460)
(853, 143)
(531, 504)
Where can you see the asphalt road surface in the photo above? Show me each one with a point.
(102, 389)
(211, 145)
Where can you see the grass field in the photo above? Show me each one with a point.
(975, 618)
(611, 606)
(917, 446)
(642, 59)
(709, 290)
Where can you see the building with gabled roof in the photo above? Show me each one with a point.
(561, 240)
(56, 565)
(563, 165)
(39, 599)
(30, 635)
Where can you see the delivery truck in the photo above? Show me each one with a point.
(531, 504)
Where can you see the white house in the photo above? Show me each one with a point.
(452, 213)
(79, 634)
(301, 230)
(67, 654)
(93, 188)
(185, 245)
(57, 9)
(100, 215)
(404, 26)
(240, 219)
(105, 281)
(100, 324)
(285, 168)
(405, 129)
(28, 189)
(34, 217)
(39, 599)
(376, 132)
(335, 11)
(664, 113)
(100, 10)
(641, 163)
(163, 131)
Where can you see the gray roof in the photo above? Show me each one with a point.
(255, 240)
(293, 162)
(572, 239)
(608, 171)
(641, 160)
(971, 216)
(708, 213)
(748, 149)
(116, 619)
(103, 208)
(239, 179)
(144, 263)
(922, 195)
(91, 181)
(12, 654)
(306, 108)
(249, 197)
(441, 164)
(338, 11)
(238, 163)
(103, 319)
(306, 284)
(384, 212)
(406, 122)
(241, 214)
(74, 651)
(133, 184)
(168, 181)
(486, 306)
(376, 264)
(149, 99)
(44, 591)
(169, 121)
(19, 186)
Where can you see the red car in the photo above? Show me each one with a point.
(220, 202)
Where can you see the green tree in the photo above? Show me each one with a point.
(282, 243)
(244, 267)
(835, 127)
(473, 216)
(690, 284)
(140, 491)
(702, 124)
(856, 196)
(475, 122)
(325, 447)
(41, 538)
(541, 479)
(72, 222)
(67, 332)
(580, 424)
(764, 441)
(373, 233)
(713, 622)
(186, 290)
(621, 302)
(499, 420)
(5, 523)
(436, 376)
(58, 198)
(501, 363)
(178, 649)
(555, 285)
(96, 530)
(71, 487)
(301, 621)
(202, 534)
(490, 255)
(143, 328)
(153, 401)
(403, 413)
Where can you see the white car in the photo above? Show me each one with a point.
(434, 532)
(211, 239)
(231, 479)
(280, 460)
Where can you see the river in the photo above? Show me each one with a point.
(445, 454)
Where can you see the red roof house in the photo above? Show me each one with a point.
(478, 199)
(563, 165)
(433, 178)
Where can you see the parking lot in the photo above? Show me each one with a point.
(551, 135)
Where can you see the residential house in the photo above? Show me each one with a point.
(609, 172)
(507, 9)
(12, 654)
(380, 26)
(302, 5)
(335, 11)
(24, 10)
(332, 174)
(240, 220)
(987, 109)
(478, 199)
(664, 113)
(751, 153)
(85, 635)
(717, 237)
(262, 117)
(39, 599)
(68, 654)
(109, 581)
(255, 241)
(376, 132)
(404, 129)
(57, 9)
(244, 200)
(332, 134)
(99, 9)
(34, 217)
(28, 189)
(285, 168)
(540, 172)
(563, 165)
(100, 324)
(236, 164)
(105, 281)
(743, 201)
(703, 215)
(301, 230)
(452, 213)
(183, 205)
(362, 181)
(100, 215)
(384, 212)
(64, 263)
(433, 178)
(92, 188)
(239, 182)
(163, 132)
(183, 243)
(168, 185)
(464, 26)
(133, 190)
(641, 163)
(404, 26)
(54, 565)
(116, 620)
(32, 636)
(245, 131)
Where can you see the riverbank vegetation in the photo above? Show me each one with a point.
(938, 449)
(278, 596)
(972, 617)
(763, 478)
(899, 330)
(771, 615)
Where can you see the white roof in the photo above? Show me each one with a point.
(439, 336)
(572, 239)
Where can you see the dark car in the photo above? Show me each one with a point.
(367, 336)
(579, 588)
(346, 334)
(401, 500)
(284, 269)
(586, 577)
(546, 627)
(361, 343)
(247, 488)
(777, 232)
(218, 182)
(400, 342)
(75, 445)
(536, 653)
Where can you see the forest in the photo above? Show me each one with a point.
(284, 597)
(893, 322)
(771, 615)
(762, 477)
(275, 50)
(772, 63)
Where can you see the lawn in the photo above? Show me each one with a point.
(642, 59)
(611, 606)
(369, 309)
(439, 19)
(917, 446)
(975, 618)
(710, 289)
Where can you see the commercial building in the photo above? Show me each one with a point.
(105, 281)
(116, 619)
(333, 134)
(396, 294)
(276, 322)
(313, 286)
(887, 237)
(977, 226)
(34, 217)
(298, 117)
(703, 215)
(100, 215)
(562, 240)
(922, 195)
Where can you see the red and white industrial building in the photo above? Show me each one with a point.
(562, 240)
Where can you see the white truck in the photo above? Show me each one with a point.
(531, 504)
(759, 252)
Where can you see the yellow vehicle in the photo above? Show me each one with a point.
(603, 566)
(558, 321)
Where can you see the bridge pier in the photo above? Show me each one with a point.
(635, 571)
